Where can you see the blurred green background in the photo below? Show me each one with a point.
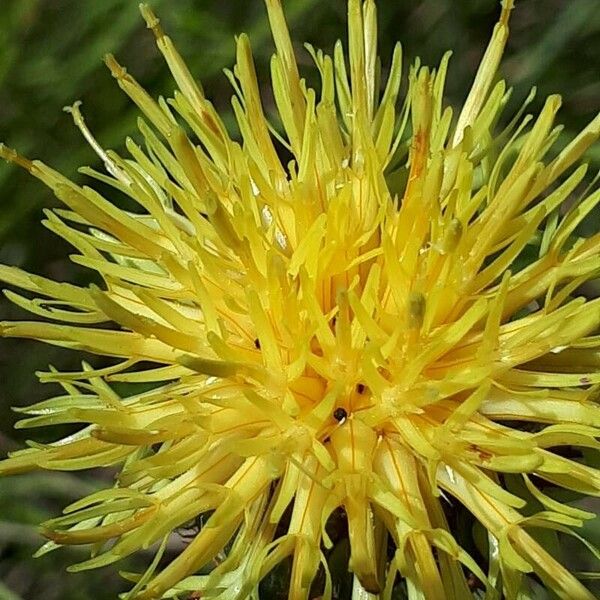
(51, 55)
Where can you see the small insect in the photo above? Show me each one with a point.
(360, 388)
(192, 528)
(257, 344)
(339, 414)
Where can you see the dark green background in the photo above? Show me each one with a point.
(50, 56)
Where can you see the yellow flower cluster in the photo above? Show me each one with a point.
(349, 329)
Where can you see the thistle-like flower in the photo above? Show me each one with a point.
(347, 330)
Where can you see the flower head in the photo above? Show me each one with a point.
(347, 330)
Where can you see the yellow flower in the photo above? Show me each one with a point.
(347, 330)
